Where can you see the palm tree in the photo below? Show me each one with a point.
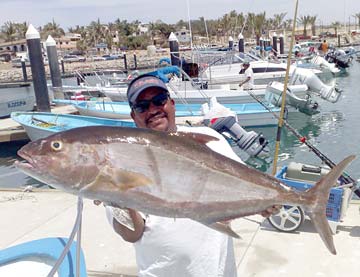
(278, 20)
(304, 20)
(9, 30)
(312, 22)
(95, 32)
(259, 24)
(287, 24)
(53, 29)
(357, 16)
(21, 29)
(336, 25)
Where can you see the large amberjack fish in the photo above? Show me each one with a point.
(169, 175)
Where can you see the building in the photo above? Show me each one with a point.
(67, 42)
(143, 29)
(183, 35)
(14, 46)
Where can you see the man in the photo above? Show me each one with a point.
(167, 246)
(324, 47)
(248, 83)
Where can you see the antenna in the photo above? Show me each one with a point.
(188, 10)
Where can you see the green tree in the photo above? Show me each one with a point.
(357, 16)
(21, 29)
(312, 22)
(304, 20)
(336, 26)
(53, 29)
(9, 31)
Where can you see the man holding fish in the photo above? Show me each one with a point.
(166, 246)
(170, 174)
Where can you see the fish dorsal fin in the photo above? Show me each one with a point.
(200, 138)
(118, 179)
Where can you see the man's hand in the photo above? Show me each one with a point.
(97, 202)
(271, 210)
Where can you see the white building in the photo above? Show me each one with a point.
(183, 35)
(143, 29)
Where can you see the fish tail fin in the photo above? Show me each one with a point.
(317, 210)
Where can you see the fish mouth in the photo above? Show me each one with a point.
(28, 165)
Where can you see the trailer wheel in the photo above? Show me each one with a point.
(288, 219)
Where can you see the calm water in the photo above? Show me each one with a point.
(335, 131)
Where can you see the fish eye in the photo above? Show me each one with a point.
(56, 145)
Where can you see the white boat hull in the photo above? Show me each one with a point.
(18, 101)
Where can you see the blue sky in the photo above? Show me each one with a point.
(69, 13)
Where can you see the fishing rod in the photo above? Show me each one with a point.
(283, 97)
(346, 178)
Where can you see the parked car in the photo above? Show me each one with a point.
(73, 58)
(97, 58)
(16, 62)
(111, 57)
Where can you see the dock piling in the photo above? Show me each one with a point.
(54, 68)
(174, 50)
(23, 67)
(241, 43)
(37, 69)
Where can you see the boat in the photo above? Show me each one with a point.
(38, 257)
(42, 124)
(23, 100)
(184, 89)
(229, 70)
(250, 114)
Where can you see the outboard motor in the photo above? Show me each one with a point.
(224, 121)
(304, 76)
(255, 145)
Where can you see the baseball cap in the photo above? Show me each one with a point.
(139, 84)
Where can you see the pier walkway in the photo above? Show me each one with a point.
(261, 252)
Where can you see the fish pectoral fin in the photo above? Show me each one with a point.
(200, 138)
(224, 228)
(120, 179)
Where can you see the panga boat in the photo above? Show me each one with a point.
(40, 124)
(250, 114)
(18, 101)
(37, 258)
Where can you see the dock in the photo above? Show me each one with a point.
(17, 84)
(12, 131)
(261, 252)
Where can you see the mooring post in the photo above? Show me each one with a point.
(231, 43)
(62, 66)
(274, 44)
(174, 50)
(54, 68)
(241, 43)
(261, 46)
(135, 61)
(281, 39)
(23, 67)
(125, 62)
(37, 69)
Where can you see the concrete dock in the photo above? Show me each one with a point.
(263, 251)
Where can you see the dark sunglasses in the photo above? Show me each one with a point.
(158, 100)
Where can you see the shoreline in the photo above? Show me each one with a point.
(144, 61)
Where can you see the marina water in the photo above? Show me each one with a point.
(335, 131)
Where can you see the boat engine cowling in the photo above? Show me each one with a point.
(303, 76)
(255, 145)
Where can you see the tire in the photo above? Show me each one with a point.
(288, 219)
